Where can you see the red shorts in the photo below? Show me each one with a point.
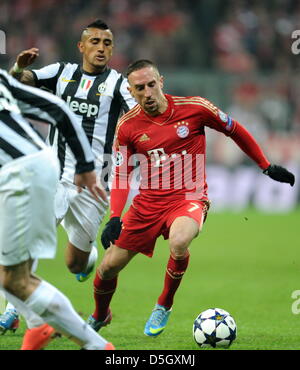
(145, 221)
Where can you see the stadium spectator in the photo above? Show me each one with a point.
(28, 179)
(166, 134)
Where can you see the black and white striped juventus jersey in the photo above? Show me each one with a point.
(17, 136)
(97, 101)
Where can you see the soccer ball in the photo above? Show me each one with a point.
(214, 328)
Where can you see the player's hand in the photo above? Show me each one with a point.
(89, 180)
(279, 173)
(111, 232)
(27, 57)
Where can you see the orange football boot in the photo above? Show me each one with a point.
(38, 338)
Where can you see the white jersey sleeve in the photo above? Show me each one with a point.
(47, 76)
(38, 104)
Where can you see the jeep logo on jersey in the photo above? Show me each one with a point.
(81, 107)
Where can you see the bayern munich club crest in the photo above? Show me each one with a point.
(182, 130)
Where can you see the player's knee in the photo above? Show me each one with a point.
(76, 261)
(178, 245)
(76, 266)
(108, 271)
(179, 254)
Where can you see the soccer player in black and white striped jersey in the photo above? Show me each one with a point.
(29, 174)
(97, 95)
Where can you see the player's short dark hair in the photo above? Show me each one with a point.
(98, 23)
(140, 64)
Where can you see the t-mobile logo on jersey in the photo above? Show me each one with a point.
(158, 156)
(163, 171)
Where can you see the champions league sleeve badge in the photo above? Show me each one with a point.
(226, 119)
(223, 116)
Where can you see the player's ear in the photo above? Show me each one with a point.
(161, 81)
(130, 90)
(80, 46)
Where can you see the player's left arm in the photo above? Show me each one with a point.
(222, 122)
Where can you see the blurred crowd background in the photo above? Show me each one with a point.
(236, 53)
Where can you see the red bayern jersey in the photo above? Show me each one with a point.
(170, 148)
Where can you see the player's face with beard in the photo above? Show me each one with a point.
(96, 45)
(146, 87)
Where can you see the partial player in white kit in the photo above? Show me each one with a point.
(97, 95)
(29, 173)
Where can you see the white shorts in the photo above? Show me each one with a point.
(79, 214)
(27, 190)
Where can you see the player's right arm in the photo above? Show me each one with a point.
(123, 153)
(44, 77)
(25, 59)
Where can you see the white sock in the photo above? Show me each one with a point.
(32, 319)
(57, 311)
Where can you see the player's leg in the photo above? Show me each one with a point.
(184, 224)
(182, 231)
(81, 223)
(9, 320)
(138, 236)
(49, 303)
(105, 283)
(14, 279)
(25, 184)
(81, 262)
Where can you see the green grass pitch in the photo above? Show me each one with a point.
(246, 263)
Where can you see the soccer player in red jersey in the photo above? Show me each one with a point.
(167, 136)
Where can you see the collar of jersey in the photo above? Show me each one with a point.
(165, 117)
(106, 70)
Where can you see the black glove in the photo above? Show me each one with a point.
(111, 232)
(279, 173)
